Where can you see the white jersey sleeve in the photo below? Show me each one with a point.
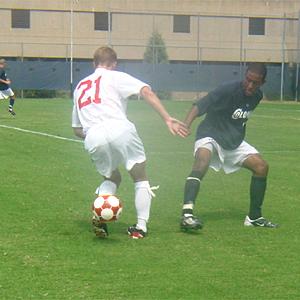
(75, 118)
(128, 85)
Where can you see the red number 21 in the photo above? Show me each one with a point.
(83, 100)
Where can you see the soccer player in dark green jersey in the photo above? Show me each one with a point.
(220, 143)
(5, 90)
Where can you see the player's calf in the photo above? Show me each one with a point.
(10, 107)
(192, 186)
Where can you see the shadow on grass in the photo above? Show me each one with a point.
(190, 231)
(7, 117)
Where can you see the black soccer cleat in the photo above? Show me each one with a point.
(260, 222)
(99, 228)
(189, 221)
(136, 233)
(11, 111)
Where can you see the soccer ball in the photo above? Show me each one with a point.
(107, 208)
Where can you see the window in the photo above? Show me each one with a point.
(181, 23)
(256, 26)
(20, 18)
(101, 21)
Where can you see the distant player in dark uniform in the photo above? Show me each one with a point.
(220, 143)
(5, 90)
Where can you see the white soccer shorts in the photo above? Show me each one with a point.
(6, 94)
(110, 146)
(228, 160)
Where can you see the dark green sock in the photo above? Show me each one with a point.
(191, 189)
(257, 193)
(11, 103)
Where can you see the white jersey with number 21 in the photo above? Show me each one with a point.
(102, 97)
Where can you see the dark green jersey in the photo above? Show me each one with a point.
(3, 86)
(227, 110)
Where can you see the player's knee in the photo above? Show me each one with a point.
(138, 172)
(119, 181)
(116, 178)
(261, 168)
(201, 164)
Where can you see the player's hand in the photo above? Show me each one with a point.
(8, 81)
(177, 127)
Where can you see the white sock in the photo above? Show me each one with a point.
(142, 203)
(107, 187)
(188, 206)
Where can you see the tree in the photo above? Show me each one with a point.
(156, 52)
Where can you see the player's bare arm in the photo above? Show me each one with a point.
(78, 131)
(5, 81)
(175, 126)
(191, 116)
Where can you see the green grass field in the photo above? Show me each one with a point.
(48, 250)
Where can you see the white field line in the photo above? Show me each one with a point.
(151, 152)
(41, 133)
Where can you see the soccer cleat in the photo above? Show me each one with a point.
(260, 222)
(189, 221)
(136, 233)
(100, 228)
(11, 112)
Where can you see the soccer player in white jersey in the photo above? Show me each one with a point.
(99, 117)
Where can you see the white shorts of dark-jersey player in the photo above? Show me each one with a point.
(220, 144)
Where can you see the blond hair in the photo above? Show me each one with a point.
(105, 56)
(2, 61)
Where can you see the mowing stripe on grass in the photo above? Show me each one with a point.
(190, 153)
(41, 133)
(277, 117)
(279, 109)
(153, 152)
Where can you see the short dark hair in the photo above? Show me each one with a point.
(258, 68)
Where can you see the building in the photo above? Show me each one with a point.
(193, 30)
(207, 41)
